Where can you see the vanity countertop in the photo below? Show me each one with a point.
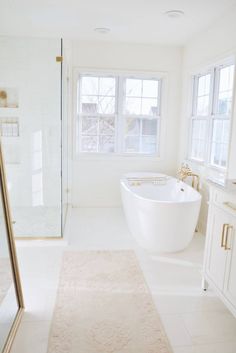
(229, 185)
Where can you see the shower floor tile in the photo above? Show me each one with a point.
(36, 222)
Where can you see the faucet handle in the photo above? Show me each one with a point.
(184, 170)
(187, 168)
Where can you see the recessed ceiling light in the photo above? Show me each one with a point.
(174, 13)
(102, 30)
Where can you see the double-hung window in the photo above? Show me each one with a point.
(118, 114)
(211, 115)
(141, 115)
(97, 113)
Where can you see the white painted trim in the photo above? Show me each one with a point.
(162, 76)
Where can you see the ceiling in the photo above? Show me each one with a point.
(129, 20)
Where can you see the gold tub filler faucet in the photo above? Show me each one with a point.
(185, 171)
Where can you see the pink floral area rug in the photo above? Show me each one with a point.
(104, 306)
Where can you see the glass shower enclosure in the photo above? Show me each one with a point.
(31, 121)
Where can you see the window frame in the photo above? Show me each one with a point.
(195, 117)
(214, 71)
(119, 131)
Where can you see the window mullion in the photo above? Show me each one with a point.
(195, 90)
(140, 136)
(120, 117)
(210, 118)
(98, 132)
(215, 90)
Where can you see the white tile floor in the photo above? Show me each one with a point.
(195, 322)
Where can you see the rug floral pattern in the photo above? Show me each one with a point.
(104, 306)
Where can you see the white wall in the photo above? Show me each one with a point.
(96, 180)
(209, 47)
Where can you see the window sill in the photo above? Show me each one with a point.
(116, 157)
(207, 169)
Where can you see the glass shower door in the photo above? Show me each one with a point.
(30, 125)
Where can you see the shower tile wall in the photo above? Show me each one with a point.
(33, 159)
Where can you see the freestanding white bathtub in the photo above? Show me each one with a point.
(161, 211)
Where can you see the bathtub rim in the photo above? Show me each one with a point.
(123, 184)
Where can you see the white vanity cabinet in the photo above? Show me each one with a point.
(219, 267)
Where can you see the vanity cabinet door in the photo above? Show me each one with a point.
(216, 253)
(230, 273)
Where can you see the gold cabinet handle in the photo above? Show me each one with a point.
(230, 205)
(225, 225)
(226, 237)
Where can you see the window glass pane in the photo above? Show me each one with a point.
(226, 131)
(198, 139)
(226, 78)
(204, 85)
(203, 105)
(89, 125)
(150, 88)
(133, 87)
(107, 126)
(106, 105)
(149, 127)
(132, 126)
(89, 104)
(107, 86)
(220, 141)
(133, 106)
(219, 154)
(224, 155)
(215, 154)
(149, 106)
(203, 95)
(224, 102)
(89, 143)
(148, 144)
(198, 149)
(132, 144)
(89, 85)
(225, 89)
(221, 131)
(217, 130)
(106, 144)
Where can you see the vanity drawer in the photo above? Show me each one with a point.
(225, 199)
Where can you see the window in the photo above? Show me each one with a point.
(211, 115)
(118, 114)
(97, 114)
(141, 111)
